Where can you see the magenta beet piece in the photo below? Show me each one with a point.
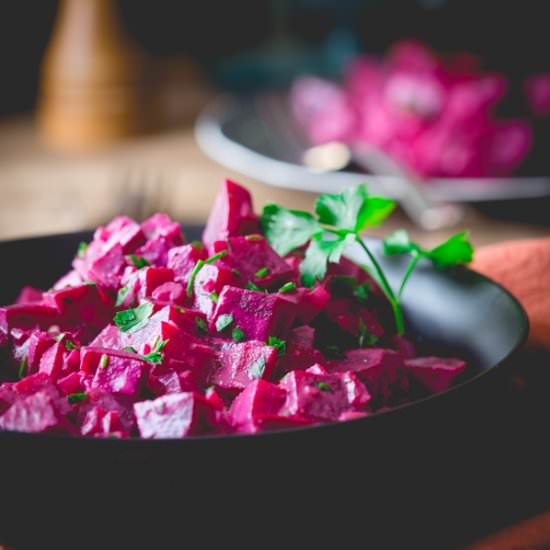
(182, 260)
(110, 338)
(35, 413)
(255, 261)
(106, 269)
(121, 230)
(257, 314)
(435, 374)
(210, 281)
(309, 302)
(116, 372)
(109, 402)
(173, 416)
(27, 316)
(243, 363)
(161, 225)
(404, 346)
(72, 383)
(258, 399)
(173, 293)
(29, 295)
(354, 319)
(231, 215)
(162, 380)
(300, 353)
(34, 347)
(381, 370)
(51, 361)
(150, 278)
(323, 397)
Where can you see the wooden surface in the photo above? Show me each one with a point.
(44, 191)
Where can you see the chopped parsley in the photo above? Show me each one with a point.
(131, 320)
(138, 261)
(104, 361)
(79, 397)
(257, 369)
(214, 297)
(71, 346)
(323, 386)
(82, 247)
(224, 321)
(251, 286)
(198, 266)
(366, 338)
(262, 273)
(288, 287)
(197, 245)
(278, 344)
(201, 324)
(238, 334)
(23, 367)
(129, 349)
(156, 356)
(254, 237)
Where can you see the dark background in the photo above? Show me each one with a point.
(510, 36)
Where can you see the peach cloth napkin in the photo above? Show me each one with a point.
(522, 267)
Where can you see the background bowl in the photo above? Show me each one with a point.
(392, 476)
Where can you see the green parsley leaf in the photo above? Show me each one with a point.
(23, 367)
(257, 369)
(366, 338)
(362, 292)
(82, 247)
(236, 272)
(197, 245)
(323, 386)
(251, 286)
(454, 251)
(238, 334)
(70, 346)
(318, 254)
(398, 243)
(353, 209)
(131, 320)
(138, 261)
(287, 229)
(104, 361)
(254, 238)
(214, 297)
(79, 397)
(288, 287)
(121, 296)
(156, 356)
(201, 325)
(129, 349)
(224, 321)
(262, 273)
(279, 345)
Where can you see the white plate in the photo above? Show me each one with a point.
(232, 132)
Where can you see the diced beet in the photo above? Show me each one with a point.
(255, 261)
(109, 402)
(345, 313)
(121, 230)
(110, 338)
(213, 397)
(210, 281)
(33, 348)
(243, 363)
(116, 372)
(170, 292)
(436, 374)
(35, 414)
(51, 361)
(323, 397)
(27, 316)
(162, 380)
(72, 383)
(156, 250)
(106, 270)
(300, 353)
(269, 423)
(100, 422)
(257, 314)
(161, 225)
(8, 396)
(404, 346)
(258, 399)
(29, 295)
(72, 278)
(150, 278)
(232, 214)
(381, 370)
(182, 260)
(310, 302)
(173, 416)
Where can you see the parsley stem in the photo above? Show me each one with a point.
(390, 295)
(198, 266)
(408, 272)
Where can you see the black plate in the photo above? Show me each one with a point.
(340, 480)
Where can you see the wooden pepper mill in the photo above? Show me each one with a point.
(93, 87)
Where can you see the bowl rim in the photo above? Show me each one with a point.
(63, 439)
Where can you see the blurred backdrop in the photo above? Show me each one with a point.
(133, 75)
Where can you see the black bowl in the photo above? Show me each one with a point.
(388, 477)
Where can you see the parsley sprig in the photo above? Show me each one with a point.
(340, 220)
(156, 356)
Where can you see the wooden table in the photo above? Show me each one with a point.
(44, 191)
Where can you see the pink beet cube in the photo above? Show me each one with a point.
(182, 260)
(242, 363)
(436, 374)
(51, 361)
(173, 416)
(210, 281)
(231, 215)
(323, 396)
(257, 314)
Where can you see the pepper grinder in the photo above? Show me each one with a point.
(93, 88)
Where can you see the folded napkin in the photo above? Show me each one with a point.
(523, 268)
